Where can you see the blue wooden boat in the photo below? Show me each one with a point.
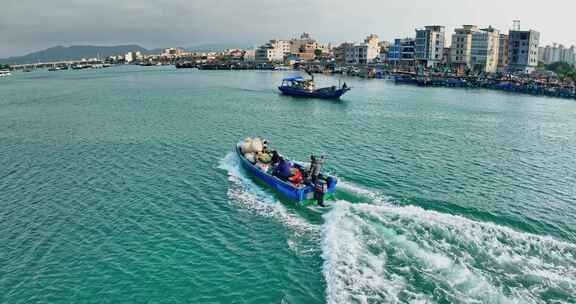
(404, 79)
(298, 86)
(307, 193)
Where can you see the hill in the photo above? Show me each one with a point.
(71, 53)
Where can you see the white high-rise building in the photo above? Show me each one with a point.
(273, 51)
(557, 53)
(523, 50)
(484, 50)
(461, 49)
(429, 45)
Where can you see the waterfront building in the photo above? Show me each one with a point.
(407, 51)
(344, 52)
(557, 53)
(249, 56)
(384, 47)
(523, 50)
(570, 55)
(363, 53)
(446, 56)
(484, 50)
(129, 57)
(172, 52)
(461, 48)
(305, 47)
(401, 52)
(273, 51)
(268, 53)
(429, 45)
(503, 53)
(369, 51)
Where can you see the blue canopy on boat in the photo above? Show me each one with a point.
(294, 78)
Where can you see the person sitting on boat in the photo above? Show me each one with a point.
(283, 169)
(296, 179)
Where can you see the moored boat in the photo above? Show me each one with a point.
(298, 86)
(304, 185)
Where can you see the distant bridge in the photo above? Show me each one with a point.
(50, 64)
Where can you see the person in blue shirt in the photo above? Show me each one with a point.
(283, 169)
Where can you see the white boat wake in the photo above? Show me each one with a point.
(381, 253)
(252, 197)
(377, 252)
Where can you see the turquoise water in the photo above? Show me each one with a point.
(120, 186)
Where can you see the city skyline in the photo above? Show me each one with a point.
(27, 26)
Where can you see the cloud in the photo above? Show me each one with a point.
(28, 25)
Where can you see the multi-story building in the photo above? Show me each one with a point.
(401, 53)
(366, 53)
(372, 40)
(429, 45)
(249, 56)
(523, 50)
(484, 51)
(503, 53)
(384, 50)
(132, 56)
(305, 47)
(461, 49)
(557, 53)
(273, 51)
(363, 53)
(282, 45)
(128, 58)
(341, 51)
(369, 50)
(569, 55)
(446, 56)
(172, 52)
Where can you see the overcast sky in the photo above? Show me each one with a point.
(31, 25)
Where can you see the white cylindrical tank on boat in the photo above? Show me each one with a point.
(251, 157)
(246, 146)
(257, 145)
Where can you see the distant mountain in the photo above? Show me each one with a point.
(71, 53)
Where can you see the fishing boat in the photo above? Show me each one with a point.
(305, 185)
(298, 86)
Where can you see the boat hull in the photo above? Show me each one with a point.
(325, 93)
(303, 196)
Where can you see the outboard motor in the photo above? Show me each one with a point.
(320, 189)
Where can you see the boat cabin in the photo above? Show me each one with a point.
(298, 82)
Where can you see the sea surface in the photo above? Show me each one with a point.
(119, 185)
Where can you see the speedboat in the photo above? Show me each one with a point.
(298, 86)
(304, 185)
